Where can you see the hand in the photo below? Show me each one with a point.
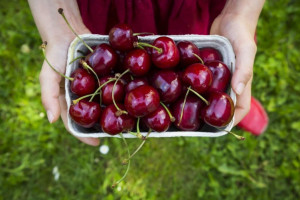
(236, 28)
(52, 84)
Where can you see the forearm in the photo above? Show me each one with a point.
(247, 9)
(50, 24)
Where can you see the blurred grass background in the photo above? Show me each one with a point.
(265, 167)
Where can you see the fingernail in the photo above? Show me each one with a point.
(240, 88)
(50, 116)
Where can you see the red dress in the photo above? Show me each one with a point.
(155, 16)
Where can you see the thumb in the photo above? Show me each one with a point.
(50, 87)
(245, 54)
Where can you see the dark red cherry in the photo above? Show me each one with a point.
(169, 57)
(208, 54)
(120, 66)
(135, 83)
(221, 75)
(106, 90)
(142, 101)
(220, 110)
(187, 50)
(138, 62)
(102, 60)
(167, 84)
(113, 124)
(190, 118)
(121, 37)
(158, 120)
(85, 113)
(84, 83)
(198, 76)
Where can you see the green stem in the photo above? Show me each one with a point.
(198, 95)
(172, 119)
(100, 87)
(43, 46)
(143, 33)
(87, 67)
(141, 145)
(199, 58)
(159, 50)
(183, 105)
(119, 112)
(61, 12)
(128, 166)
(83, 97)
(235, 135)
(79, 57)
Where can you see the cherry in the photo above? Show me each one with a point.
(121, 37)
(208, 54)
(113, 124)
(102, 60)
(141, 101)
(220, 110)
(187, 113)
(83, 82)
(85, 113)
(158, 120)
(198, 76)
(169, 57)
(106, 91)
(167, 84)
(187, 50)
(135, 83)
(138, 62)
(221, 75)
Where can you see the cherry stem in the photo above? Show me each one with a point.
(43, 47)
(83, 97)
(140, 136)
(139, 46)
(172, 118)
(198, 95)
(128, 166)
(199, 58)
(119, 112)
(143, 44)
(138, 133)
(87, 67)
(100, 87)
(143, 33)
(183, 105)
(79, 57)
(235, 135)
(61, 12)
(125, 161)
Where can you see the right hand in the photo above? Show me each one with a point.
(52, 84)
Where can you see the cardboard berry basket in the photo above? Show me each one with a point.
(214, 41)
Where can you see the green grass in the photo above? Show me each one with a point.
(265, 167)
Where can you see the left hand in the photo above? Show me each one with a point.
(235, 28)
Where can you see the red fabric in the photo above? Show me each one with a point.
(155, 16)
(256, 121)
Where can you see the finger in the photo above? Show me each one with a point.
(49, 81)
(243, 104)
(245, 55)
(63, 107)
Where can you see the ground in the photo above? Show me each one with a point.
(31, 149)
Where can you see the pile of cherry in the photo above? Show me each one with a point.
(127, 82)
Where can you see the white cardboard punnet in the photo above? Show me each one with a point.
(218, 42)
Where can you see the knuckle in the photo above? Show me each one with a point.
(248, 73)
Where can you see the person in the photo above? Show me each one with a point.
(233, 19)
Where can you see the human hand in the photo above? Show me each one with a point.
(52, 84)
(236, 28)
